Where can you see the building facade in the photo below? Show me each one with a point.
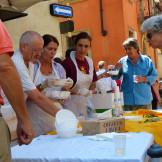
(110, 22)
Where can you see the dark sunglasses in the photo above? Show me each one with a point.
(81, 45)
(149, 35)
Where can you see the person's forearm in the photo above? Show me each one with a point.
(93, 86)
(43, 102)
(47, 105)
(11, 85)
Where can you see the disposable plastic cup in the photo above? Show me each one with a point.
(134, 79)
(119, 144)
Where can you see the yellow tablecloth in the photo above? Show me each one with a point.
(154, 128)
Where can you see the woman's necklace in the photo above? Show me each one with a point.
(46, 70)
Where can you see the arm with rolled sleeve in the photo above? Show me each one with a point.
(28, 86)
(119, 67)
(116, 77)
(152, 76)
(11, 85)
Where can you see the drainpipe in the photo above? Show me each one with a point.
(103, 31)
(141, 11)
(149, 8)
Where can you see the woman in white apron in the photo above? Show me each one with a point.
(46, 71)
(80, 68)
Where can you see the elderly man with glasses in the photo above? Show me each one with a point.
(153, 28)
(30, 48)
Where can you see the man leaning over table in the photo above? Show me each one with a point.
(30, 47)
(138, 74)
(153, 29)
(12, 88)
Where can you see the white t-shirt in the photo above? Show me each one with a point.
(24, 72)
(105, 84)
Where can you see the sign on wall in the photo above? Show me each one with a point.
(61, 10)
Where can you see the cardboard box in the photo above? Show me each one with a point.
(96, 126)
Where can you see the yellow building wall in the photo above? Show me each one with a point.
(38, 19)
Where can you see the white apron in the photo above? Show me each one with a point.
(42, 122)
(40, 78)
(83, 81)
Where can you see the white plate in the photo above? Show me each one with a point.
(61, 95)
(64, 95)
(133, 117)
(102, 136)
(60, 82)
(113, 72)
(106, 136)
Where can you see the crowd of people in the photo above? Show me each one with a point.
(32, 79)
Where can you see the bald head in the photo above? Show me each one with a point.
(31, 45)
(101, 64)
(29, 37)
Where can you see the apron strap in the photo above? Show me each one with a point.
(0, 111)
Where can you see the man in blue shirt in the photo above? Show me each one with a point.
(138, 74)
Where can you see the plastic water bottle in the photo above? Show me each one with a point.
(113, 104)
(117, 103)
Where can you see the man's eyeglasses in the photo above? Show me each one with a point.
(81, 45)
(149, 35)
(37, 50)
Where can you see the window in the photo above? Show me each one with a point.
(132, 33)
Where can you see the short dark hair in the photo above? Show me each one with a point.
(82, 35)
(131, 42)
(68, 51)
(49, 38)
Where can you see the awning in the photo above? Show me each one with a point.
(11, 9)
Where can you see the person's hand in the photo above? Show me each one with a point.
(68, 84)
(110, 67)
(103, 75)
(50, 82)
(83, 92)
(118, 66)
(141, 79)
(159, 101)
(25, 132)
(93, 91)
(61, 101)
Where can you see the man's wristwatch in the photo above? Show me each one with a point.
(41, 87)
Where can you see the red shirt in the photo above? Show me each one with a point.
(6, 45)
(71, 71)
